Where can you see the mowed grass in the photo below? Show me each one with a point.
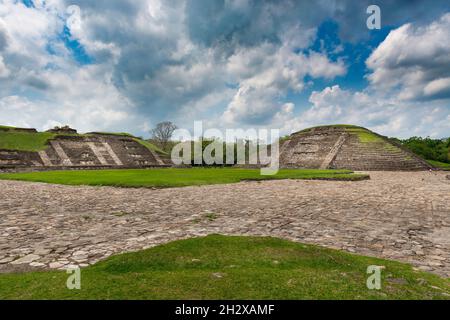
(222, 267)
(172, 177)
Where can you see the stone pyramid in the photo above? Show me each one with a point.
(346, 147)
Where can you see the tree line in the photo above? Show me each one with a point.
(427, 148)
(430, 149)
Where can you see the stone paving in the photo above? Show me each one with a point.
(398, 215)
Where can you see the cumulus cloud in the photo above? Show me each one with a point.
(4, 72)
(124, 65)
(55, 88)
(414, 61)
(266, 73)
(390, 117)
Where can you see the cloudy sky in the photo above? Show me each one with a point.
(124, 65)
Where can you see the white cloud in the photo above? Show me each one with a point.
(4, 72)
(390, 117)
(414, 62)
(155, 60)
(266, 74)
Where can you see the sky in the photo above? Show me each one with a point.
(110, 65)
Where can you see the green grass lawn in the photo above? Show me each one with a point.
(172, 177)
(220, 267)
(440, 165)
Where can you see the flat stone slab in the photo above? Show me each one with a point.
(28, 259)
(396, 215)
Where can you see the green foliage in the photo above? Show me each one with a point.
(221, 267)
(248, 146)
(431, 149)
(171, 177)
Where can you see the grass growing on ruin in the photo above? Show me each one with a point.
(24, 141)
(10, 139)
(150, 146)
(345, 126)
(5, 127)
(173, 177)
(221, 267)
(364, 135)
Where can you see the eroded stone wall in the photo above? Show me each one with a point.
(342, 148)
(80, 151)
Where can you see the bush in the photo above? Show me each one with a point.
(431, 149)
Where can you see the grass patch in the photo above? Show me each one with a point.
(6, 127)
(364, 135)
(346, 126)
(440, 165)
(220, 267)
(150, 146)
(211, 216)
(24, 141)
(120, 134)
(173, 177)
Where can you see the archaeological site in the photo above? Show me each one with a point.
(64, 148)
(325, 147)
(346, 147)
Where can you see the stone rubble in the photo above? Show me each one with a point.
(396, 215)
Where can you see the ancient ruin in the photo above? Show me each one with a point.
(346, 147)
(65, 149)
(324, 147)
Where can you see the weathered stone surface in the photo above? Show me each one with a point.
(397, 215)
(6, 260)
(346, 147)
(82, 151)
(55, 265)
(27, 259)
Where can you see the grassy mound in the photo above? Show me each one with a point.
(220, 267)
(171, 177)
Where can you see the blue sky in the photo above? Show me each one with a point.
(126, 65)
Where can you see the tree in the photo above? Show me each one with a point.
(430, 149)
(162, 133)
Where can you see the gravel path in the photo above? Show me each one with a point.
(398, 215)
